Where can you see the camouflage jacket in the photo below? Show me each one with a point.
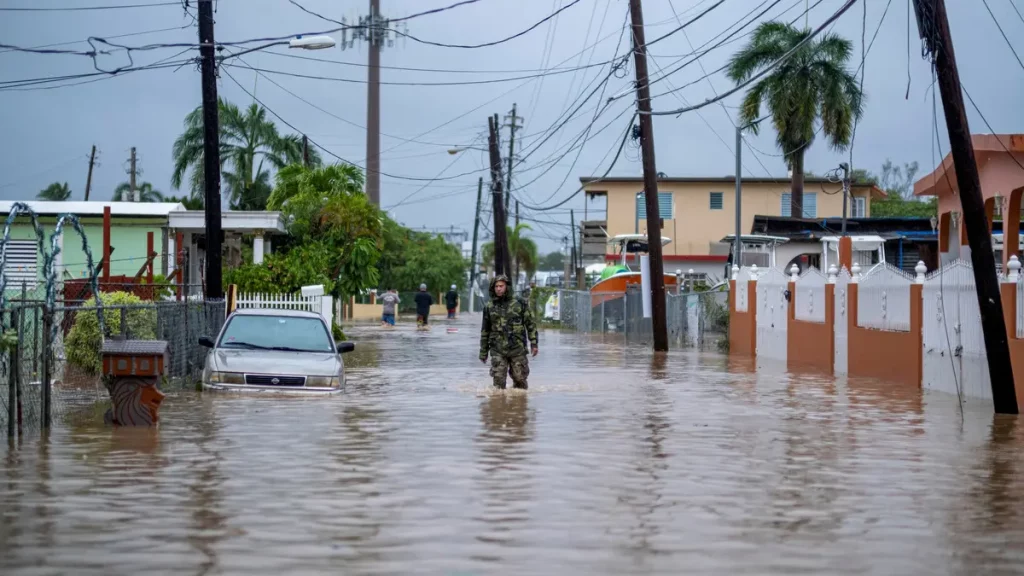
(508, 323)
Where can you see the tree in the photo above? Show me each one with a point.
(523, 250)
(552, 261)
(189, 202)
(56, 192)
(898, 180)
(248, 141)
(296, 178)
(897, 206)
(812, 83)
(145, 190)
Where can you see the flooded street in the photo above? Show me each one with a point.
(614, 462)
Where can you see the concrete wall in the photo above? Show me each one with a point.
(812, 344)
(695, 226)
(892, 356)
(1008, 294)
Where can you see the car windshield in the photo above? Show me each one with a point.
(288, 333)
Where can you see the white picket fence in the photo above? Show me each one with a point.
(810, 296)
(322, 305)
(772, 311)
(883, 299)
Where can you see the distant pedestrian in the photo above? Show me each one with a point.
(451, 301)
(390, 300)
(423, 303)
(508, 325)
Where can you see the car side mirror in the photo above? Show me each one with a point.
(205, 341)
(344, 347)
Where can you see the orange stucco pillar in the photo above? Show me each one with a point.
(944, 222)
(1011, 227)
(845, 253)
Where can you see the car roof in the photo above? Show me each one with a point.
(275, 312)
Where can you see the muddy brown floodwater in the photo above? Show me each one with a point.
(615, 462)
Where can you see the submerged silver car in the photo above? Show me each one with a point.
(286, 351)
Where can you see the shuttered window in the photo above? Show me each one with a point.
(859, 208)
(810, 205)
(21, 265)
(664, 205)
(716, 201)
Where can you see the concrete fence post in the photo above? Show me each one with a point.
(833, 274)
(735, 272)
(1013, 267)
(920, 269)
(855, 274)
(794, 273)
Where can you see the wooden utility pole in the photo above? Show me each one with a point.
(305, 151)
(88, 179)
(934, 26)
(502, 262)
(131, 179)
(476, 235)
(211, 151)
(511, 156)
(643, 94)
(373, 106)
(572, 226)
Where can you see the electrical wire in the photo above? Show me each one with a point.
(446, 45)
(990, 129)
(90, 8)
(1019, 15)
(72, 42)
(1002, 33)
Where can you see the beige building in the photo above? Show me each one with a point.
(699, 212)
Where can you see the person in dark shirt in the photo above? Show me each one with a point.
(423, 303)
(451, 302)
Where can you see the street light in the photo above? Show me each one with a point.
(456, 150)
(318, 42)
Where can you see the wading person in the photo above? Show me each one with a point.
(423, 303)
(508, 324)
(390, 301)
(451, 301)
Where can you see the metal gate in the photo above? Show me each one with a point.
(842, 326)
(954, 348)
(772, 311)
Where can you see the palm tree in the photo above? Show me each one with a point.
(523, 250)
(812, 83)
(296, 178)
(247, 140)
(145, 191)
(189, 202)
(56, 192)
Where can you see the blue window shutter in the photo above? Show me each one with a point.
(787, 201)
(810, 205)
(664, 205)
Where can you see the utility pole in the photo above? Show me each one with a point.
(512, 119)
(305, 151)
(934, 26)
(88, 179)
(377, 31)
(737, 247)
(517, 212)
(476, 235)
(846, 191)
(211, 152)
(572, 226)
(502, 264)
(643, 94)
(131, 179)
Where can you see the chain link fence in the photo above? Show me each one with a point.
(695, 319)
(73, 353)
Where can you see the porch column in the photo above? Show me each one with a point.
(257, 248)
(268, 249)
(1011, 227)
(170, 259)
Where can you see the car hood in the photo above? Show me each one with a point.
(275, 362)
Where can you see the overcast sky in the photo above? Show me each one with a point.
(48, 133)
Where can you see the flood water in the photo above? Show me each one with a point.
(615, 462)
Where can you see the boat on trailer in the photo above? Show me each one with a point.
(609, 292)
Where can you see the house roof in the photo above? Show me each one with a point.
(231, 221)
(814, 229)
(985, 145)
(875, 190)
(140, 209)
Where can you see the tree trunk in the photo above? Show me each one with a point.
(797, 187)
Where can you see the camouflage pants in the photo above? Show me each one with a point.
(517, 366)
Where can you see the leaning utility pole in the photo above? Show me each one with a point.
(643, 94)
(512, 119)
(846, 191)
(934, 27)
(305, 151)
(502, 264)
(131, 179)
(211, 151)
(572, 226)
(88, 179)
(476, 235)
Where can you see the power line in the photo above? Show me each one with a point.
(1007, 40)
(71, 42)
(91, 8)
(446, 45)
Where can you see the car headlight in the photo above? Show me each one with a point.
(323, 381)
(226, 378)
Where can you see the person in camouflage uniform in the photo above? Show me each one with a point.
(508, 323)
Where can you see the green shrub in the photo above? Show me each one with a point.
(339, 336)
(83, 341)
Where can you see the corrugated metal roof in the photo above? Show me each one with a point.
(152, 209)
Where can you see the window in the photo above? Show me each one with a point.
(810, 205)
(269, 332)
(21, 265)
(664, 205)
(716, 201)
(860, 208)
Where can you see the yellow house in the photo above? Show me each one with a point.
(697, 212)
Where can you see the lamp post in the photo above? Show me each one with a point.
(737, 249)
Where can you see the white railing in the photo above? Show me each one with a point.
(883, 300)
(322, 305)
(810, 296)
(772, 311)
